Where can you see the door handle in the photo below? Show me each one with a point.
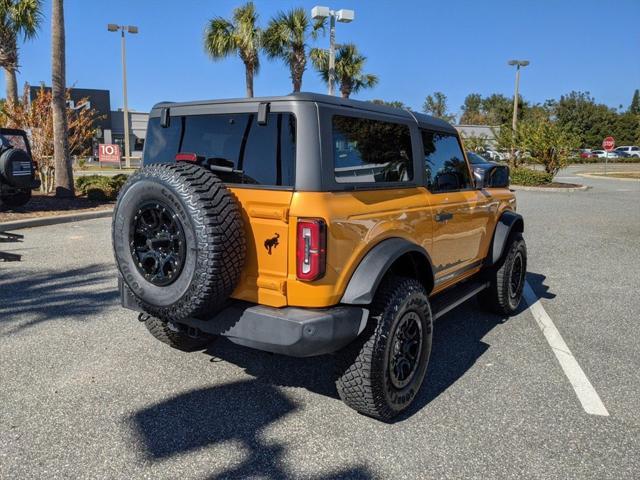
(444, 216)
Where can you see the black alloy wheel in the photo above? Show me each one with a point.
(405, 351)
(517, 277)
(157, 243)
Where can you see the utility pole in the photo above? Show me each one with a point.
(131, 29)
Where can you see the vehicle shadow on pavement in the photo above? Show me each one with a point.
(238, 412)
(28, 299)
(457, 344)
(314, 374)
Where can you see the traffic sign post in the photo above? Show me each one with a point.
(608, 144)
(109, 153)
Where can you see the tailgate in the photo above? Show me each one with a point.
(265, 214)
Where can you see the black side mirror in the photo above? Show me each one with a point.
(496, 177)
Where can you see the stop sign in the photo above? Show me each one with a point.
(608, 144)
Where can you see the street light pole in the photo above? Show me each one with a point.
(332, 54)
(342, 15)
(514, 121)
(131, 29)
(127, 147)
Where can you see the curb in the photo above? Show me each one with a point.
(607, 177)
(582, 188)
(54, 220)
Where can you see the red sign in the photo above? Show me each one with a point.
(608, 144)
(109, 153)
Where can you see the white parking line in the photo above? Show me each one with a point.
(587, 395)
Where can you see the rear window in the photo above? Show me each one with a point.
(238, 149)
(371, 151)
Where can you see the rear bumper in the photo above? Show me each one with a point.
(298, 332)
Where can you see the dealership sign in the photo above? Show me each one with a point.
(109, 153)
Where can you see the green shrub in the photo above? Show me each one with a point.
(529, 177)
(101, 187)
(101, 193)
(118, 181)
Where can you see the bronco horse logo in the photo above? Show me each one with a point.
(270, 243)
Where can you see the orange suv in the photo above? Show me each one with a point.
(308, 224)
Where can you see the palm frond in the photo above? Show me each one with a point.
(220, 38)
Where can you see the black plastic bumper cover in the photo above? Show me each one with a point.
(298, 332)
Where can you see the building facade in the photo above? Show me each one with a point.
(109, 123)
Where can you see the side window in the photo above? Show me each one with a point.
(446, 168)
(367, 150)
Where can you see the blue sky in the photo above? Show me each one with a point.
(416, 47)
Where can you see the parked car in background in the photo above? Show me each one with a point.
(628, 151)
(586, 153)
(603, 154)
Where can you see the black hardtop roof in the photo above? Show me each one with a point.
(420, 118)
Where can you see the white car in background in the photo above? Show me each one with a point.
(630, 150)
(603, 154)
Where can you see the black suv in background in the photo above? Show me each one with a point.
(17, 170)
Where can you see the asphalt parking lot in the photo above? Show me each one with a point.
(86, 392)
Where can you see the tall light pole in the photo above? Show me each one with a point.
(342, 15)
(131, 29)
(514, 122)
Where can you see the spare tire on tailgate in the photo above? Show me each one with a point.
(178, 240)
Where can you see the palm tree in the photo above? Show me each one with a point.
(286, 37)
(348, 67)
(61, 158)
(241, 36)
(17, 18)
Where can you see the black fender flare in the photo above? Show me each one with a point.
(509, 222)
(372, 268)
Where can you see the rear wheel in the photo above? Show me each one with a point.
(507, 279)
(381, 372)
(176, 335)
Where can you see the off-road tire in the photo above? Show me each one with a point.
(172, 335)
(501, 297)
(210, 221)
(363, 368)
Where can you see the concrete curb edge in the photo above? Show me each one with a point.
(54, 220)
(582, 188)
(607, 177)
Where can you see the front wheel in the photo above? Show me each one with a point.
(381, 372)
(507, 279)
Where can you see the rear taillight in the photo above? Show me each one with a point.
(311, 251)
(186, 157)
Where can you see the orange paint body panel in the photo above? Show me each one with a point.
(356, 222)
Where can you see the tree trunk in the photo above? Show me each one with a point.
(297, 84)
(249, 79)
(297, 69)
(64, 172)
(12, 84)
